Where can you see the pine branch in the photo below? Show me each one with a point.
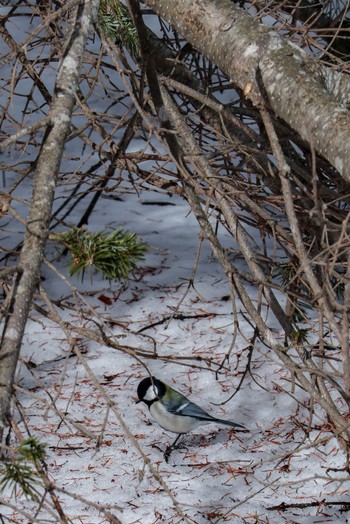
(21, 472)
(115, 21)
(114, 255)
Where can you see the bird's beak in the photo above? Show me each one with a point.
(137, 401)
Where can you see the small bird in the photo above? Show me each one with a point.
(173, 411)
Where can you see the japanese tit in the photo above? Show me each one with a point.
(173, 411)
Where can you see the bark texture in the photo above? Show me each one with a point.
(311, 98)
(47, 167)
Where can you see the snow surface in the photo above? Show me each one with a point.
(220, 476)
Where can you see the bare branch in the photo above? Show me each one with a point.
(39, 217)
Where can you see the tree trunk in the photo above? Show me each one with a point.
(47, 167)
(309, 96)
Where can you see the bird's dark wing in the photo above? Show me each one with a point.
(189, 409)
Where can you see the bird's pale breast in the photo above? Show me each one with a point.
(171, 422)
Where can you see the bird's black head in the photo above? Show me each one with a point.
(149, 390)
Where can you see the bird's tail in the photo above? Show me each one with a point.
(231, 424)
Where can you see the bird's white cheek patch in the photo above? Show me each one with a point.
(151, 393)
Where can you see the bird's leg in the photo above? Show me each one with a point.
(171, 448)
(173, 445)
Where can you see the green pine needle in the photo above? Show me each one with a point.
(115, 21)
(299, 336)
(21, 472)
(18, 475)
(33, 450)
(287, 273)
(115, 255)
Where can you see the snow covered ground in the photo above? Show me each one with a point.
(219, 476)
